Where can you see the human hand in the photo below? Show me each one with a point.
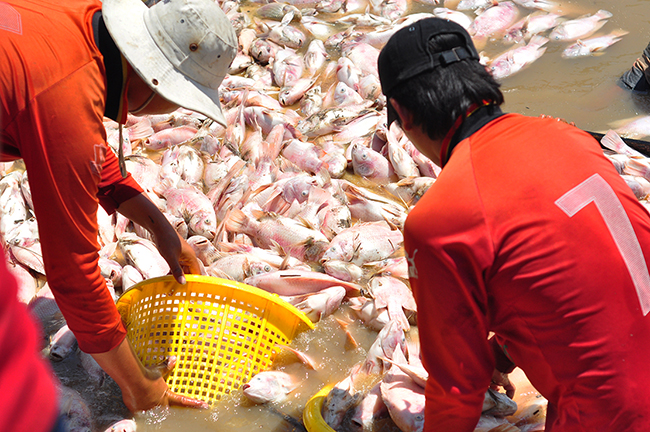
(179, 255)
(170, 398)
(157, 393)
(173, 248)
(143, 388)
(500, 379)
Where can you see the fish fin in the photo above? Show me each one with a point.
(603, 14)
(343, 323)
(396, 313)
(306, 223)
(323, 177)
(613, 141)
(259, 214)
(392, 226)
(237, 221)
(350, 342)
(306, 360)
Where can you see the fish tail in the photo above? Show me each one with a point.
(614, 142)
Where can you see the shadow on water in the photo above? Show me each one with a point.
(641, 102)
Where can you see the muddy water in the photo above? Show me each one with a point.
(581, 90)
(584, 90)
(327, 346)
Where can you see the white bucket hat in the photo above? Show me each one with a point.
(181, 48)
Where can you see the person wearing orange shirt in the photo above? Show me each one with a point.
(64, 66)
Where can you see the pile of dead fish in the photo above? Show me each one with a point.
(305, 192)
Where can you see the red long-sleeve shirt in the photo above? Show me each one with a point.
(530, 232)
(29, 399)
(54, 92)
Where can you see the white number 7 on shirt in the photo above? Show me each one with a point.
(595, 189)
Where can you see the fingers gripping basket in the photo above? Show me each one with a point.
(222, 332)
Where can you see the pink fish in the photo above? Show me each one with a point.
(514, 60)
(298, 282)
(371, 164)
(394, 295)
(204, 249)
(535, 23)
(580, 27)
(269, 386)
(405, 400)
(402, 163)
(343, 270)
(389, 343)
(371, 408)
(315, 57)
(594, 45)
(62, 343)
(124, 425)
(303, 357)
(364, 242)
(263, 50)
(343, 95)
(348, 73)
(267, 229)
(304, 154)
(287, 67)
(410, 189)
(320, 304)
(493, 20)
(169, 137)
(195, 208)
(292, 94)
(397, 267)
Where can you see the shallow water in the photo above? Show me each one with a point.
(584, 90)
(580, 90)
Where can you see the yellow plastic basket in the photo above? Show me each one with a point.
(311, 415)
(222, 332)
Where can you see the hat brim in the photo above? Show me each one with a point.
(124, 20)
(390, 113)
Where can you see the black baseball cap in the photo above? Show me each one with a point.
(407, 54)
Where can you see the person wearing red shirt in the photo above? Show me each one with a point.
(528, 232)
(64, 66)
(26, 379)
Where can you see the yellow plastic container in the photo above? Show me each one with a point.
(222, 332)
(311, 415)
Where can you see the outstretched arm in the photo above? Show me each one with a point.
(142, 388)
(178, 254)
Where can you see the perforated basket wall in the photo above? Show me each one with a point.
(222, 332)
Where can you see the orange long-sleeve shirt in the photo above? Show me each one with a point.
(53, 86)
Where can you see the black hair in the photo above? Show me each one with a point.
(438, 97)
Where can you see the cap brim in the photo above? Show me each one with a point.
(391, 113)
(125, 22)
